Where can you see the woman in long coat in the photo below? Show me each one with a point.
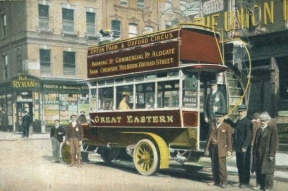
(264, 151)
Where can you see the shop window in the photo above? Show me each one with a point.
(105, 98)
(45, 62)
(90, 24)
(5, 59)
(67, 20)
(69, 63)
(116, 28)
(124, 2)
(43, 12)
(133, 30)
(4, 25)
(141, 4)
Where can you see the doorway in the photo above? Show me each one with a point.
(21, 107)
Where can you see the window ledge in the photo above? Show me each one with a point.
(45, 31)
(67, 34)
(92, 37)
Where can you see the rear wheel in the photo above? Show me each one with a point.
(109, 154)
(146, 157)
(65, 153)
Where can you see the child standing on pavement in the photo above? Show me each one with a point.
(56, 135)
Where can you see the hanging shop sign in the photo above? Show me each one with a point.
(23, 82)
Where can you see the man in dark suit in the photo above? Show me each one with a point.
(74, 138)
(219, 145)
(243, 130)
(215, 102)
(264, 151)
(26, 122)
(56, 134)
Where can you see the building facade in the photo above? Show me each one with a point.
(43, 52)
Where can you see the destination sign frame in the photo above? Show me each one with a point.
(155, 56)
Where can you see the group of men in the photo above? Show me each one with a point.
(73, 137)
(258, 138)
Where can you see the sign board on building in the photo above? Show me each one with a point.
(213, 6)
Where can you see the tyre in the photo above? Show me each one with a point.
(109, 154)
(146, 157)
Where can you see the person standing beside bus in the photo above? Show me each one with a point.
(256, 125)
(56, 134)
(264, 151)
(74, 138)
(215, 102)
(219, 145)
(242, 146)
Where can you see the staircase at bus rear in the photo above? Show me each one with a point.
(235, 92)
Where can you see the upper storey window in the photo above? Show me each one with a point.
(43, 13)
(68, 20)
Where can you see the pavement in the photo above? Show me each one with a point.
(281, 171)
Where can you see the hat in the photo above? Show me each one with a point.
(213, 82)
(265, 116)
(126, 93)
(242, 107)
(72, 115)
(219, 114)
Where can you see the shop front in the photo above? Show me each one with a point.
(45, 99)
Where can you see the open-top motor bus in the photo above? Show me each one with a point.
(164, 77)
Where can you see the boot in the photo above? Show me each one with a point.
(72, 160)
(79, 160)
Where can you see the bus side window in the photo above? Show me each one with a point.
(125, 97)
(145, 95)
(168, 94)
(105, 98)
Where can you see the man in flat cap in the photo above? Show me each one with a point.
(215, 102)
(264, 151)
(74, 138)
(243, 130)
(219, 145)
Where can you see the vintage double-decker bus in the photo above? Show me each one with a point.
(147, 95)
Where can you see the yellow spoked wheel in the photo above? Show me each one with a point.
(146, 157)
(65, 152)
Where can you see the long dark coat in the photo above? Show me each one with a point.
(265, 145)
(243, 134)
(218, 100)
(224, 137)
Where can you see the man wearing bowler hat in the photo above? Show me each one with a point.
(242, 145)
(218, 146)
(215, 102)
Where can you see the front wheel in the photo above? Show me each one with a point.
(146, 157)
